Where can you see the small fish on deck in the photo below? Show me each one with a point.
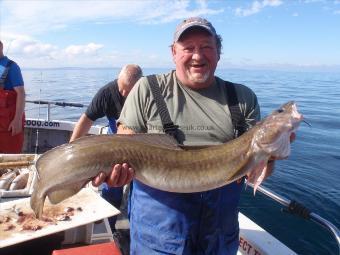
(161, 163)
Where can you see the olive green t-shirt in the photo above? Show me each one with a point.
(202, 115)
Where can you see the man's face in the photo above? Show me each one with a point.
(196, 57)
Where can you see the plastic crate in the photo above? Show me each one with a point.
(98, 249)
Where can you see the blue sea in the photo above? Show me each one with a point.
(310, 175)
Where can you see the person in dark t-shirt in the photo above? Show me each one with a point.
(109, 101)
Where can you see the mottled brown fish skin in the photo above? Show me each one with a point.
(64, 170)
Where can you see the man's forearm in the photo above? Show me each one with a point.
(82, 127)
(20, 102)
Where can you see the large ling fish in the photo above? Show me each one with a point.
(161, 163)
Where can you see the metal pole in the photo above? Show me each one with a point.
(329, 225)
(48, 111)
(313, 216)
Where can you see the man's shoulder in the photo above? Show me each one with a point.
(239, 88)
(5, 61)
(161, 77)
(109, 88)
(162, 80)
(110, 84)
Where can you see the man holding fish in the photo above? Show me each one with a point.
(206, 222)
(186, 192)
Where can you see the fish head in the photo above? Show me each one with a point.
(273, 134)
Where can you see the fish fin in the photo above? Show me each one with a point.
(57, 196)
(159, 140)
(257, 175)
(37, 200)
(260, 179)
(91, 139)
(194, 147)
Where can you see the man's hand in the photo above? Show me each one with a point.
(120, 175)
(15, 126)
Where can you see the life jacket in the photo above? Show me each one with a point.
(7, 108)
(7, 101)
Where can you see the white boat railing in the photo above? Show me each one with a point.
(296, 208)
(48, 131)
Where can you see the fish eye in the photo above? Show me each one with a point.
(280, 110)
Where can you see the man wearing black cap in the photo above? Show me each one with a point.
(198, 103)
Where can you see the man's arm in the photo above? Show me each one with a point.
(16, 124)
(121, 174)
(82, 127)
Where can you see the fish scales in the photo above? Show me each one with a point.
(161, 163)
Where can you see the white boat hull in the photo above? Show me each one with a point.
(50, 133)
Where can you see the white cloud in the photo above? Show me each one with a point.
(29, 52)
(314, 1)
(35, 17)
(27, 46)
(89, 49)
(337, 12)
(32, 20)
(176, 10)
(256, 7)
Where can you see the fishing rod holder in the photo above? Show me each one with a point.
(296, 208)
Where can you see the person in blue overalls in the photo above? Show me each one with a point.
(185, 223)
(108, 102)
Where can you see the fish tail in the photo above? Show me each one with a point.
(37, 200)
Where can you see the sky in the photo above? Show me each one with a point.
(261, 34)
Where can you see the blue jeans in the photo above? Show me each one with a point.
(174, 223)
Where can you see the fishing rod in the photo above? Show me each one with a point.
(63, 104)
(296, 208)
(49, 103)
